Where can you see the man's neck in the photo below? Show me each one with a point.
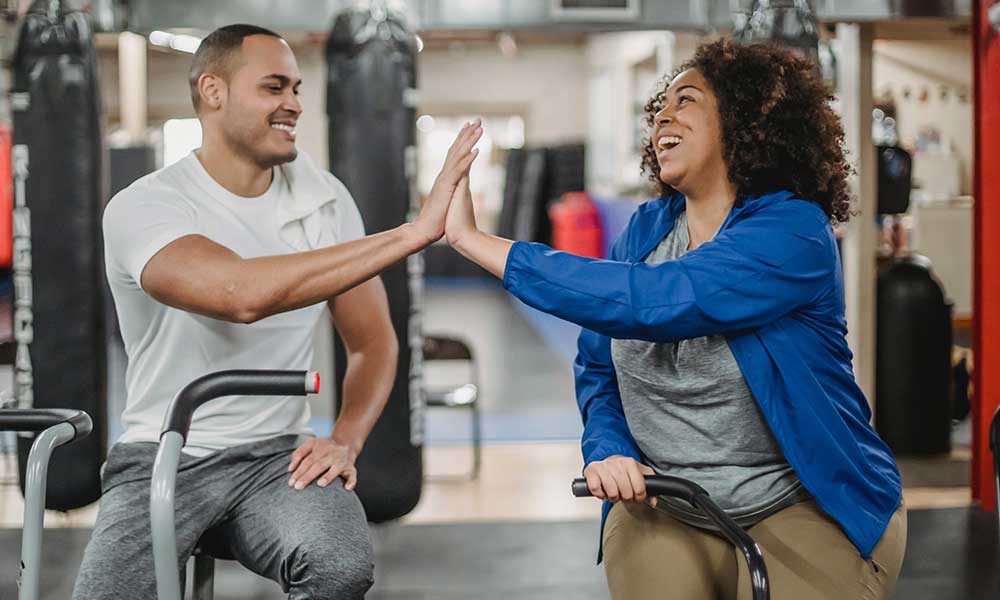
(237, 174)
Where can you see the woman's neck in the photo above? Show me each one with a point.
(707, 209)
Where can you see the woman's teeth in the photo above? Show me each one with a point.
(668, 141)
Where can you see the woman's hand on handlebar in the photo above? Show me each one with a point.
(619, 478)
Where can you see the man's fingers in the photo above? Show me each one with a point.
(332, 473)
(297, 456)
(300, 472)
(466, 162)
(462, 138)
(311, 474)
(458, 138)
(463, 147)
(352, 478)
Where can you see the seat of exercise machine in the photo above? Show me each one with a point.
(213, 544)
(40, 419)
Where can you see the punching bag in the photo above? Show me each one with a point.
(371, 79)
(59, 319)
(913, 359)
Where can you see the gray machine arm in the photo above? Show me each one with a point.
(57, 426)
(172, 439)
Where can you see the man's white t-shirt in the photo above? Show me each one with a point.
(167, 348)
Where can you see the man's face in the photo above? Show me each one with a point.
(262, 106)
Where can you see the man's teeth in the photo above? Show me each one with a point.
(668, 140)
(283, 127)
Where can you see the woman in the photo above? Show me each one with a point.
(714, 344)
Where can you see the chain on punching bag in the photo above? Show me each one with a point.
(58, 259)
(371, 79)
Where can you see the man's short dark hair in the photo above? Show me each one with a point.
(219, 54)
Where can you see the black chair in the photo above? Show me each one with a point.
(456, 395)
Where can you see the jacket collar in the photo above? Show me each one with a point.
(656, 218)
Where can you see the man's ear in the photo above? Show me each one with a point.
(212, 90)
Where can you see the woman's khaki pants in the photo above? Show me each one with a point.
(648, 554)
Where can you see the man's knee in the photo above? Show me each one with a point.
(321, 570)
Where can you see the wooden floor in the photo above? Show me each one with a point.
(518, 482)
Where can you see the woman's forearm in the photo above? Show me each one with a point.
(488, 251)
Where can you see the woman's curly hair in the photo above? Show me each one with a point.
(779, 131)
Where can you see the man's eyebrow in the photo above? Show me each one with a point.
(284, 79)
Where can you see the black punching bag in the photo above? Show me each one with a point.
(59, 265)
(913, 359)
(370, 89)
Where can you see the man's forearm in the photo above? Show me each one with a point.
(276, 284)
(367, 383)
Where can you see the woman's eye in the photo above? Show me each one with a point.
(684, 99)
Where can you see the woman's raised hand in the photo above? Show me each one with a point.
(461, 218)
(431, 220)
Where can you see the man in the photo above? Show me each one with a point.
(226, 260)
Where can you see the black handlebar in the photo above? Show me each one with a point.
(233, 383)
(40, 419)
(695, 495)
(656, 485)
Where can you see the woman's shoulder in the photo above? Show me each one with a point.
(784, 210)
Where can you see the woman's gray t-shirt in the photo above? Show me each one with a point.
(693, 416)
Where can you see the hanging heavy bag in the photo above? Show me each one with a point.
(58, 258)
(370, 81)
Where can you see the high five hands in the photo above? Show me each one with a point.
(431, 220)
(448, 208)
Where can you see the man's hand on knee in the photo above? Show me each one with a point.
(323, 458)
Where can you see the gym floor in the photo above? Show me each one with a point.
(516, 531)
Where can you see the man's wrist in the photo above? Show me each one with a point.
(415, 238)
(353, 444)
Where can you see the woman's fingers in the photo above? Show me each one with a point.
(637, 481)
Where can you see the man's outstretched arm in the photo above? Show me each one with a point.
(198, 275)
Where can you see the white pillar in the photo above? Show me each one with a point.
(854, 76)
(132, 95)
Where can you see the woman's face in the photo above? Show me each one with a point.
(687, 134)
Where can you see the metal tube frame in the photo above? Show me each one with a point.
(694, 494)
(35, 482)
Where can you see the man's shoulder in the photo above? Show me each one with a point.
(162, 185)
(306, 176)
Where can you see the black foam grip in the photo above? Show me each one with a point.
(232, 383)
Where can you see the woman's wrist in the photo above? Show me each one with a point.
(464, 240)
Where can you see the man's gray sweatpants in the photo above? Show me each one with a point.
(313, 542)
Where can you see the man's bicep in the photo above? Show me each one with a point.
(361, 314)
(195, 274)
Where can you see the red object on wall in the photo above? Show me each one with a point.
(986, 219)
(576, 225)
(6, 198)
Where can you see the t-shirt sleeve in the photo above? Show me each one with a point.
(139, 223)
